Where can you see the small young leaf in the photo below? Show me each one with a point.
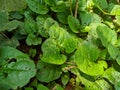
(65, 78)
(41, 87)
(33, 40)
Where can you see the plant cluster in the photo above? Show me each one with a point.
(59, 44)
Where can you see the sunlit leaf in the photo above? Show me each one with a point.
(86, 59)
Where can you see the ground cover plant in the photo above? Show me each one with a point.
(59, 45)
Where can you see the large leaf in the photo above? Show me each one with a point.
(86, 59)
(48, 72)
(37, 7)
(12, 5)
(64, 40)
(51, 53)
(16, 68)
(106, 35)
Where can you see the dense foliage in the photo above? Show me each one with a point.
(59, 44)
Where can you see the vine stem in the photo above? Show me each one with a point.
(76, 9)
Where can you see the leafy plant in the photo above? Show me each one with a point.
(60, 44)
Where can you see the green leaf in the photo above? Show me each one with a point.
(112, 75)
(87, 18)
(13, 42)
(48, 72)
(86, 59)
(16, 15)
(30, 26)
(40, 24)
(64, 40)
(41, 87)
(3, 17)
(33, 40)
(17, 69)
(59, 7)
(113, 51)
(97, 85)
(106, 35)
(65, 78)
(8, 53)
(12, 25)
(117, 19)
(74, 24)
(58, 87)
(115, 10)
(37, 7)
(32, 52)
(12, 5)
(50, 2)
(101, 3)
(49, 22)
(62, 16)
(117, 86)
(51, 53)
